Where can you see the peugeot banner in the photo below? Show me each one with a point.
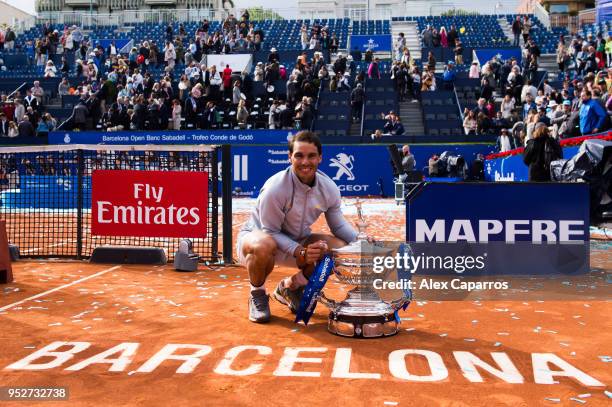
(357, 170)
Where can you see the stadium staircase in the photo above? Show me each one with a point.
(411, 114)
(409, 28)
(507, 29)
(548, 62)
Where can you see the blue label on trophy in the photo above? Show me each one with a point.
(311, 292)
(404, 275)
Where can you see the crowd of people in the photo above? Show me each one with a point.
(119, 89)
(579, 104)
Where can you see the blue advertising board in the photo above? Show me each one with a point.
(358, 170)
(371, 42)
(172, 137)
(486, 54)
(513, 168)
(522, 228)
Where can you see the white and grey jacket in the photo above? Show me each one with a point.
(287, 208)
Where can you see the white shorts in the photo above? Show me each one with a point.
(281, 258)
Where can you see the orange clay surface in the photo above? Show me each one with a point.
(153, 306)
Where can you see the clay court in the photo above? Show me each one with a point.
(140, 310)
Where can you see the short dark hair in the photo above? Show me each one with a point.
(306, 137)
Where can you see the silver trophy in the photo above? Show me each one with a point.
(362, 313)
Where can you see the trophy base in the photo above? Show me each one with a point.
(362, 326)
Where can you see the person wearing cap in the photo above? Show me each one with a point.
(505, 142)
(542, 118)
(273, 56)
(449, 76)
(593, 116)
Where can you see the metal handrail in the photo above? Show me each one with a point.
(16, 90)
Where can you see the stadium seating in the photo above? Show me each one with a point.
(441, 113)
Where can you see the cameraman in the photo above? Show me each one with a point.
(408, 161)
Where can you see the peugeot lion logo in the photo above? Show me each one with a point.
(344, 163)
(67, 138)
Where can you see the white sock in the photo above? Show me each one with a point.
(261, 287)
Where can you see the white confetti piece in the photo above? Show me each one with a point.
(29, 347)
(577, 400)
(410, 329)
(469, 339)
(497, 344)
(608, 393)
(553, 400)
(503, 333)
(475, 321)
(584, 396)
(443, 335)
(564, 344)
(131, 372)
(390, 403)
(55, 324)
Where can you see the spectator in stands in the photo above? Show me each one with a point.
(458, 52)
(529, 90)
(431, 62)
(176, 115)
(357, 98)
(443, 37)
(593, 116)
(526, 29)
(19, 110)
(9, 39)
(344, 85)
(13, 131)
(4, 125)
(427, 35)
(50, 70)
(452, 37)
(516, 30)
(242, 114)
(483, 124)
(374, 69)
(505, 142)
(38, 92)
(25, 128)
(393, 126)
(469, 123)
(608, 49)
(474, 71)
(542, 118)
(507, 106)
(540, 152)
(562, 54)
(236, 94)
(400, 46)
(449, 75)
(30, 100)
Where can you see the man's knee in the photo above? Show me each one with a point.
(261, 245)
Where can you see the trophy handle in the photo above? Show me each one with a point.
(399, 303)
(328, 302)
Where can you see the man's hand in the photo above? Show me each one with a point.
(595, 130)
(315, 251)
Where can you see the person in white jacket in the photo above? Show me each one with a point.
(279, 229)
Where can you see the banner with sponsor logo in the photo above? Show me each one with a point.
(172, 137)
(149, 203)
(483, 55)
(358, 170)
(513, 168)
(543, 228)
(375, 43)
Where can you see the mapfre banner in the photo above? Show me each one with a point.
(149, 203)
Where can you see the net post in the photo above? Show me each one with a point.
(79, 237)
(214, 200)
(226, 176)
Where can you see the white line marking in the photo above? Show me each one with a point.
(6, 307)
(65, 242)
